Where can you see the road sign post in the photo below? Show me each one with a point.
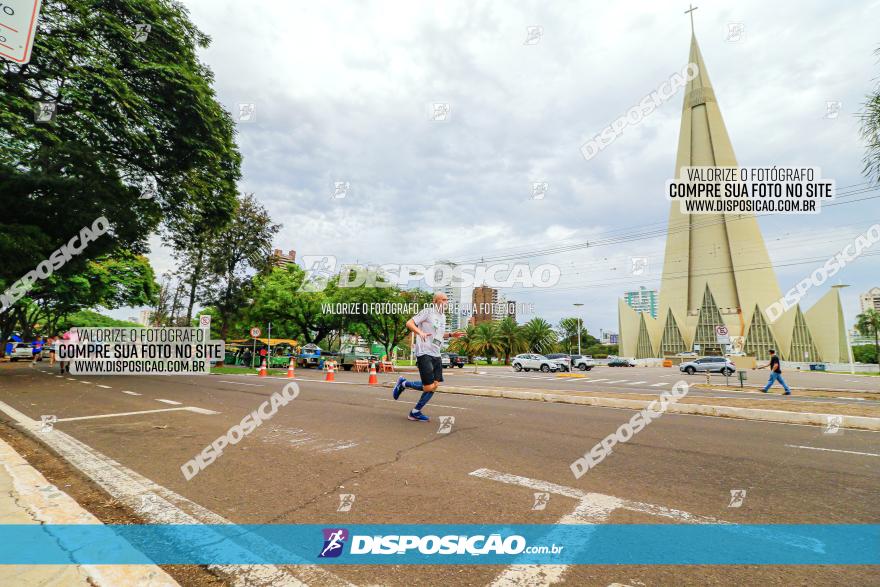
(255, 333)
(18, 25)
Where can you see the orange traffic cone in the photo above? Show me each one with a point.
(330, 376)
(373, 379)
(263, 371)
(290, 374)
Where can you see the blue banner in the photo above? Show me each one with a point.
(371, 544)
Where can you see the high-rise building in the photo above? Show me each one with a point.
(452, 287)
(642, 300)
(144, 317)
(870, 300)
(279, 259)
(484, 302)
(716, 270)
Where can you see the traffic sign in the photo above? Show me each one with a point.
(255, 332)
(18, 25)
(205, 321)
(722, 334)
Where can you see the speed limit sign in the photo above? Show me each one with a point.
(205, 321)
(255, 332)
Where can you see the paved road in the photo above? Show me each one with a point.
(350, 438)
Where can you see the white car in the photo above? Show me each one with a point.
(584, 362)
(22, 351)
(533, 362)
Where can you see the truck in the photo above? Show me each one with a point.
(347, 355)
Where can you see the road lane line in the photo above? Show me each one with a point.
(660, 384)
(637, 383)
(383, 399)
(242, 383)
(619, 381)
(88, 382)
(159, 505)
(131, 392)
(70, 379)
(595, 380)
(851, 452)
(105, 386)
(169, 401)
(186, 409)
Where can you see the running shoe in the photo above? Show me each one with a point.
(398, 389)
(418, 417)
(787, 393)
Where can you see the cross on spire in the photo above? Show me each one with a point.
(691, 12)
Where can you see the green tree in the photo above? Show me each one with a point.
(511, 339)
(127, 114)
(386, 328)
(278, 297)
(237, 252)
(870, 132)
(868, 324)
(539, 335)
(487, 340)
(464, 344)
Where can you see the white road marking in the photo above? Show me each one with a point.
(105, 386)
(851, 452)
(619, 381)
(71, 379)
(637, 383)
(131, 392)
(242, 383)
(595, 508)
(60, 376)
(158, 505)
(383, 399)
(89, 382)
(659, 384)
(596, 380)
(186, 409)
(168, 401)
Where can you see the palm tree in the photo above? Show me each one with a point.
(868, 324)
(511, 338)
(487, 341)
(539, 335)
(464, 344)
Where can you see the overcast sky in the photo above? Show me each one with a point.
(343, 91)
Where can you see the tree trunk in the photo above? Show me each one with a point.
(193, 284)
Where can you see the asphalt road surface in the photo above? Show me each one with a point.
(350, 438)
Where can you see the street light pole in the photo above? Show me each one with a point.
(580, 327)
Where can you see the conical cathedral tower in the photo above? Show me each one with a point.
(716, 269)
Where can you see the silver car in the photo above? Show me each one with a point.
(533, 362)
(711, 364)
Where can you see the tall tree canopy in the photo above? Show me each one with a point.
(127, 113)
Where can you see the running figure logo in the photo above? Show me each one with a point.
(334, 541)
(737, 497)
(541, 500)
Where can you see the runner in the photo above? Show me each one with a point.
(429, 326)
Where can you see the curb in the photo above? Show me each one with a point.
(759, 414)
(43, 503)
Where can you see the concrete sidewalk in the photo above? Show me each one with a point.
(26, 497)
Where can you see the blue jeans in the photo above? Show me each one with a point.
(774, 376)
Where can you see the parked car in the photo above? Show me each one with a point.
(349, 354)
(22, 351)
(445, 360)
(457, 360)
(582, 362)
(710, 364)
(621, 362)
(533, 362)
(563, 361)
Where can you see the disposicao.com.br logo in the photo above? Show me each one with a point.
(450, 544)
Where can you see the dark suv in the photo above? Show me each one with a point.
(456, 361)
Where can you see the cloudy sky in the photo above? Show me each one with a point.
(343, 92)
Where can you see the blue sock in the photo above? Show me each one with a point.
(413, 385)
(426, 397)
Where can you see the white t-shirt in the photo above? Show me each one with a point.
(432, 323)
